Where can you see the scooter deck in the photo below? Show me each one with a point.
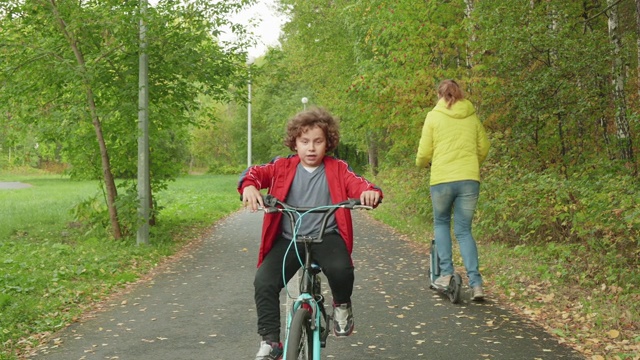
(440, 287)
(453, 292)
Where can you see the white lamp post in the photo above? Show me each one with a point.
(304, 103)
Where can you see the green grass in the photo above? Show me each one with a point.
(43, 208)
(51, 270)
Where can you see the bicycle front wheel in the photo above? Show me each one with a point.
(300, 341)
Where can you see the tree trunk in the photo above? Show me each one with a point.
(472, 34)
(621, 120)
(152, 214)
(563, 147)
(471, 28)
(109, 181)
(373, 154)
(638, 40)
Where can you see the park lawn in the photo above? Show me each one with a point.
(53, 269)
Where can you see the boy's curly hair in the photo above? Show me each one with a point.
(309, 119)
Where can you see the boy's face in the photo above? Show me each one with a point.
(311, 146)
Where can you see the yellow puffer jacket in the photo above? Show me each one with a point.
(453, 142)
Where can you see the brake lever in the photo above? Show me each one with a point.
(268, 209)
(270, 201)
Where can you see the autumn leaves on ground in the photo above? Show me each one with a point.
(593, 321)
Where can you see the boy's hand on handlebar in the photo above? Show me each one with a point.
(252, 198)
(370, 198)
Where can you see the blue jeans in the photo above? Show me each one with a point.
(462, 198)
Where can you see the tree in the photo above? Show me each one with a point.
(638, 45)
(71, 53)
(376, 64)
(618, 72)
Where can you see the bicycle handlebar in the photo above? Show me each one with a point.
(271, 204)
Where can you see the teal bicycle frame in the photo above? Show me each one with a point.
(314, 303)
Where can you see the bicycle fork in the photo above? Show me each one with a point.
(319, 300)
(316, 309)
(314, 304)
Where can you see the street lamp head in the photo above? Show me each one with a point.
(250, 60)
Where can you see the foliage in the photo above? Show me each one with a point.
(92, 214)
(53, 270)
(406, 205)
(213, 142)
(553, 78)
(596, 209)
(184, 61)
(70, 83)
(538, 72)
(224, 169)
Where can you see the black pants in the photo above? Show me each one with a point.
(331, 255)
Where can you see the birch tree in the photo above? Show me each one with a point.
(618, 73)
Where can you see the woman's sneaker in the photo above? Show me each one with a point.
(443, 281)
(269, 351)
(343, 323)
(477, 293)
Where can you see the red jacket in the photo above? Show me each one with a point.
(278, 175)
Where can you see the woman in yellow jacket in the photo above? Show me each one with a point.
(454, 143)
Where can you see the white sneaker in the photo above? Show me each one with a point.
(343, 323)
(443, 281)
(269, 351)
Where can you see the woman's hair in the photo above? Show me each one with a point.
(308, 119)
(450, 91)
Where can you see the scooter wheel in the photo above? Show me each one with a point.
(455, 288)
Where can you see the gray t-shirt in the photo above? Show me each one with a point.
(309, 189)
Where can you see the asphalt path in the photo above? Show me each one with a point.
(200, 306)
(12, 185)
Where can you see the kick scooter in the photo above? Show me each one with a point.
(454, 290)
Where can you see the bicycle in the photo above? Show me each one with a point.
(308, 323)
